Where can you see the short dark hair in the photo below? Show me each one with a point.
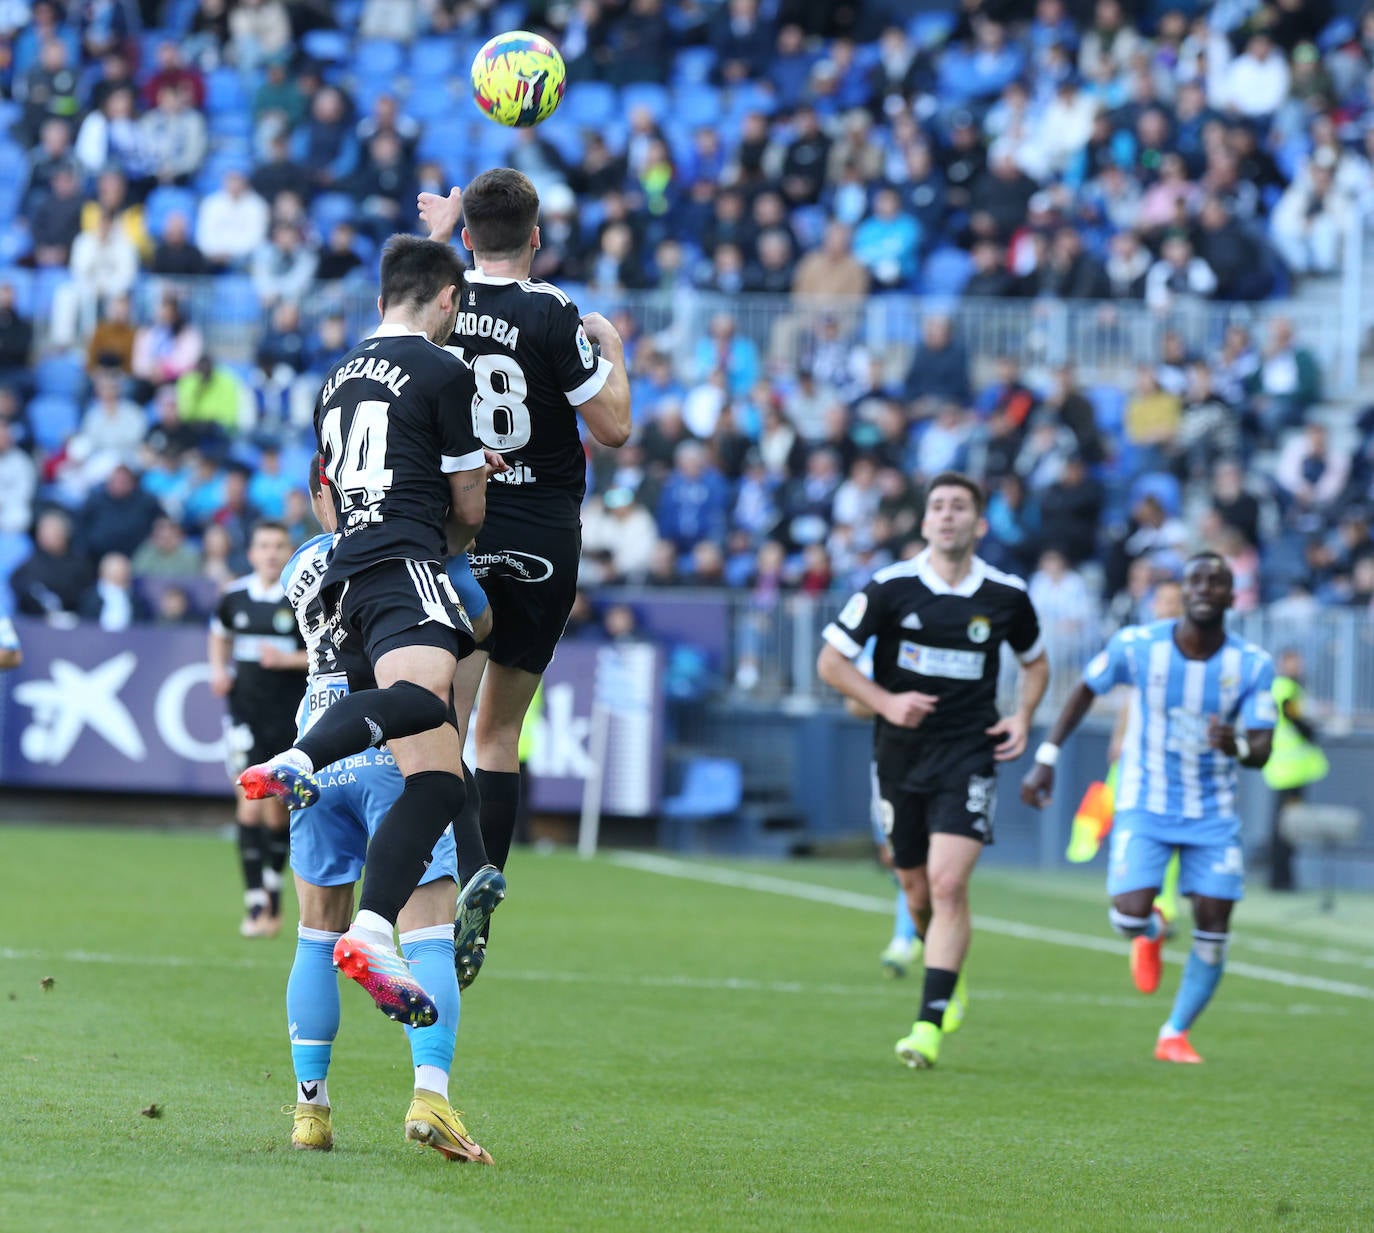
(268, 524)
(1208, 555)
(316, 480)
(957, 479)
(500, 210)
(414, 271)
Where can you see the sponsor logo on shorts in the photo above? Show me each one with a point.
(520, 566)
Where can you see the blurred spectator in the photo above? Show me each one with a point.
(1152, 414)
(117, 516)
(887, 243)
(1311, 476)
(1065, 606)
(1012, 527)
(1074, 410)
(104, 264)
(111, 431)
(725, 350)
(1236, 507)
(18, 481)
(1070, 512)
(742, 42)
(110, 347)
(260, 30)
(176, 254)
(939, 368)
(1208, 429)
(16, 339)
(56, 574)
(165, 553)
(172, 606)
(231, 223)
(339, 258)
(1178, 276)
(1257, 81)
(210, 394)
(1235, 257)
(325, 143)
(624, 529)
(1309, 222)
(832, 269)
(112, 136)
(1128, 265)
(1069, 272)
(1284, 384)
(284, 268)
(269, 485)
(694, 500)
(112, 197)
(168, 348)
(990, 278)
(173, 138)
(55, 219)
(383, 186)
(171, 70)
(111, 601)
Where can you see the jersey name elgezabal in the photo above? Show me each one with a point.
(392, 421)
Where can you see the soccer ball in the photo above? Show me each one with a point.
(518, 79)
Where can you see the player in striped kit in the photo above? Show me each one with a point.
(1202, 705)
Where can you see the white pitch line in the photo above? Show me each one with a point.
(693, 872)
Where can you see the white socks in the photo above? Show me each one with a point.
(432, 1079)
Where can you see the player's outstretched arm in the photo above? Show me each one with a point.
(1038, 785)
(441, 214)
(607, 415)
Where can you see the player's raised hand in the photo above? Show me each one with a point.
(1011, 732)
(600, 330)
(1037, 787)
(908, 710)
(441, 214)
(495, 462)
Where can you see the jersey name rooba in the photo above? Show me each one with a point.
(482, 325)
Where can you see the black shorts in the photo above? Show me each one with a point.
(398, 603)
(529, 572)
(251, 739)
(910, 818)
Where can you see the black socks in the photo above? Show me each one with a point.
(500, 793)
(935, 996)
(368, 718)
(401, 845)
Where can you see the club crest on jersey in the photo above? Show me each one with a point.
(283, 620)
(584, 349)
(979, 629)
(472, 299)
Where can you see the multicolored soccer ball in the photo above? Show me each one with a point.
(518, 79)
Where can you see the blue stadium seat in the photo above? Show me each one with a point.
(589, 103)
(692, 65)
(63, 376)
(378, 59)
(330, 208)
(931, 28)
(647, 94)
(225, 91)
(432, 58)
(711, 788)
(434, 101)
(54, 418)
(946, 271)
(231, 123)
(329, 46)
(751, 96)
(1164, 487)
(163, 202)
(14, 163)
(15, 243)
(1109, 408)
(179, 14)
(234, 301)
(696, 104)
(565, 136)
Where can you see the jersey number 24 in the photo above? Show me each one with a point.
(356, 466)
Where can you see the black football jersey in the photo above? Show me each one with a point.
(943, 641)
(253, 617)
(533, 366)
(391, 425)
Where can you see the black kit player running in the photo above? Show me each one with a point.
(940, 777)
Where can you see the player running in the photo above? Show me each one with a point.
(940, 621)
(257, 662)
(538, 366)
(1201, 706)
(330, 846)
(398, 460)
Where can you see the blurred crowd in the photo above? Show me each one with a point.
(173, 167)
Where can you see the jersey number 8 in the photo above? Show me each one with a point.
(357, 466)
(500, 416)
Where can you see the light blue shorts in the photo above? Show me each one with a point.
(1141, 848)
(329, 840)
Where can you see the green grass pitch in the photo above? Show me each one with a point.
(655, 1052)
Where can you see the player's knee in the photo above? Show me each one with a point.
(1210, 947)
(420, 704)
(948, 889)
(1127, 924)
(443, 791)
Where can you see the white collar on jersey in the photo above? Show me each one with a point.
(491, 280)
(397, 331)
(268, 594)
(972, 581)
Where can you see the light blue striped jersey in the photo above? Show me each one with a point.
(301, 579)
(1167, 768)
